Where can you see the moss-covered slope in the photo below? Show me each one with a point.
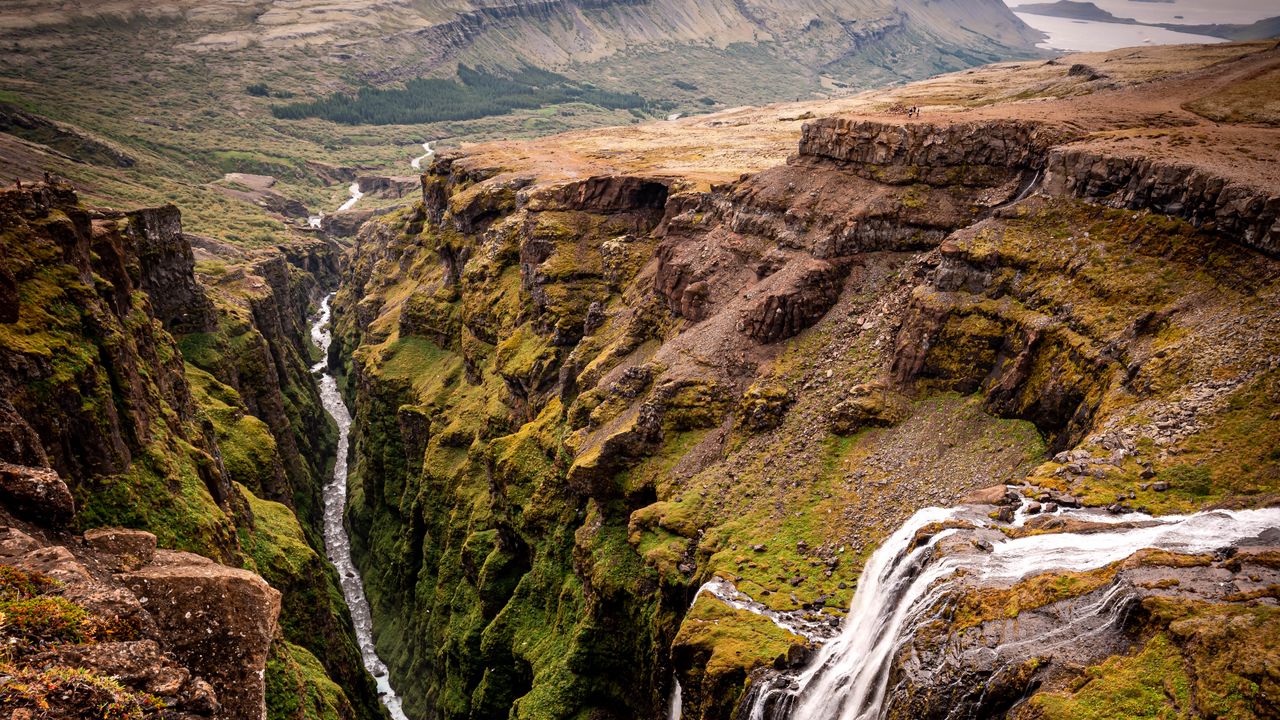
(180, 438)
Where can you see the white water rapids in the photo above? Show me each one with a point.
(417, 162)
(848, 678)
(356, 194)
(316, 221)
(336, 543)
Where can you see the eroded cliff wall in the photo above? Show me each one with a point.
(579, 400)
(199, 440)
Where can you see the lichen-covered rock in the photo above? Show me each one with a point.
(763, 406)
(38, 493)
(126, 549)
(142, 666)
(868, 405)
(218, 620)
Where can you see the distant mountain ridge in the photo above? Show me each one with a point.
(1072, 10)
(810, 42)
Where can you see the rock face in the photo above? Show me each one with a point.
(218, 620)
(794, 302)
(37, 491)
(578, 400)
(924, 152)
(168, 266)
(181, 437)
(77, 383)
(184, 630)
(1251, 215)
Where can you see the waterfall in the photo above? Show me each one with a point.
(901, 586)
(356, 194)
(336, 542)
(676, 711)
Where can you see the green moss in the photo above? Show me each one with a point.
(73, 692)
(164, 494)
(1231, 652)
(18, 584)
(717, 647)
(1150, 683)
(984, 604)
(248, 449)
(298, 687)
(42, 620)
(313, 618)
(524, 354)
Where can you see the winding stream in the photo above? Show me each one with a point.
(417, 162)
(336, 543)
(355, 197)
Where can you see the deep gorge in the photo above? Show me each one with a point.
(578, 401)
(621, 434)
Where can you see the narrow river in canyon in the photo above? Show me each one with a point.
(337, 544)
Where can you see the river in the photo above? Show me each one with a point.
(336, 542)
(417, 162)
(1089, 36)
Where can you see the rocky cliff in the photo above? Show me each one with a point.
(580, 395)
(110, 421)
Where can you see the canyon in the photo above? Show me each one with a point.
(593, 373)
(644, 420)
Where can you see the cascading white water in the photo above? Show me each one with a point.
(417, 162)
(356, 194)
(676, 711)
(848, 678)
(336, 543)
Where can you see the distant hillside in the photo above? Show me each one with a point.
(773, 47)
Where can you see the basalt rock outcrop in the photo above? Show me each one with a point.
(221, 621)
(174, 634)
(168, 271)
(1248, 214)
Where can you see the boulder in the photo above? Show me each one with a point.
(38, 493)
(126, 550)
(993, 495)
(869, 405)
(217, 620)
(763, 406)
